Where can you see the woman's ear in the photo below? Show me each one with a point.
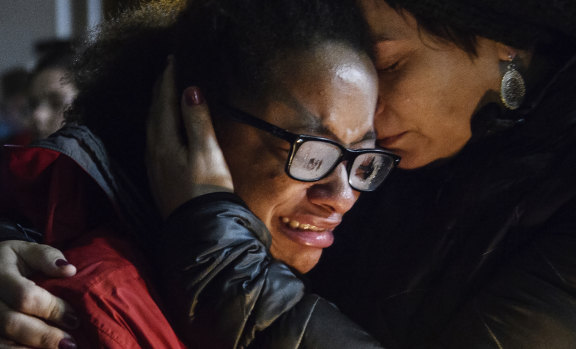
(508, 53)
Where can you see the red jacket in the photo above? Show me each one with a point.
(110, 292)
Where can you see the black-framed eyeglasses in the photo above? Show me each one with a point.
(313, 158)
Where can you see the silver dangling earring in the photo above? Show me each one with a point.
(512, 88)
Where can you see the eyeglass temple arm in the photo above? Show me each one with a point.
(243, 117)
(246, 118)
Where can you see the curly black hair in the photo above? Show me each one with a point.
(216, 44)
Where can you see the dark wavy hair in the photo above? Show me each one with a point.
(454, 22)
(216, 44)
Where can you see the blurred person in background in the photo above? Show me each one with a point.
(51, 91)
(15, 123)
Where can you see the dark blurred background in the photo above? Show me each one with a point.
(24, 23)
(37, 38)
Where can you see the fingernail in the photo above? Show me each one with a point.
(70, 320)
(193, 96)
(67, 343)
(61, 263)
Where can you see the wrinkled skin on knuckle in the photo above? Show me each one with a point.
(25, 297)
(37, 301)
(54, 311)
(13, 325)
(49, 339)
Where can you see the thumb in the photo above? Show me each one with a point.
(204, 151)
(163, 119)
(196, 115)
(45, 259)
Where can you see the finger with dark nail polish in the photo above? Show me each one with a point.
(67, 343)
(193, 96)
(61, 263)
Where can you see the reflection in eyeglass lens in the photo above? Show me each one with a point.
(314, 164)
(313, 160)
(369, 168)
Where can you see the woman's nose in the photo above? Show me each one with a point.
(379, 115)
(334, 191)
(379, 106)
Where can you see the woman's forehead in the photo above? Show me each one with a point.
(345, 125)
(387, 23)
(329, 91)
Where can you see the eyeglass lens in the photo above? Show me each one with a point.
(369, 170)
(313, 160)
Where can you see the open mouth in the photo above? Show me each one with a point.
(307, 234)
(294, 224)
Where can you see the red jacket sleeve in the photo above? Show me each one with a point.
(112, 297)
(110, 293)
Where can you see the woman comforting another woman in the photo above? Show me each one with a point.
(468, 245)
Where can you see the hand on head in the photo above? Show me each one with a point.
(25, 308)
(183, 157)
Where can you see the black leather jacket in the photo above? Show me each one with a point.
(478, 251)
(225, 289)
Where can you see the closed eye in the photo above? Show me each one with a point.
(389, 68)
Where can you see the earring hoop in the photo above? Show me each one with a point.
(512, 87)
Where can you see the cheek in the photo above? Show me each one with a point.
(271, 195)
(433, 109)
(404, 98)
(56, 120)
(256, 183)
(259, 179)
(423, 96)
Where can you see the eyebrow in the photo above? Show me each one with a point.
(318, 128)
(311, 124)
(315, 125)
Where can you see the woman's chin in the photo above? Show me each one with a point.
(302, 262)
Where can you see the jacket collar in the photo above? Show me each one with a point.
(87, 150)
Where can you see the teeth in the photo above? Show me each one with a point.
(296, 225)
